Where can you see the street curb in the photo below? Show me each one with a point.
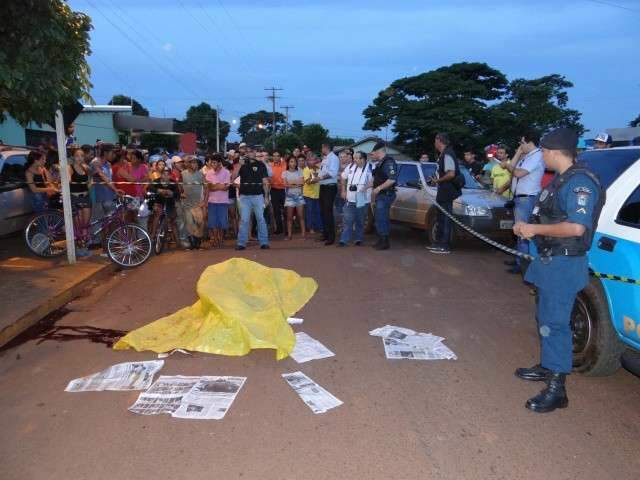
(52, 304)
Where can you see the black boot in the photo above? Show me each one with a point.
(537, 373)
(378, 243)
(191, 242)
(552, 397)
(384, 243)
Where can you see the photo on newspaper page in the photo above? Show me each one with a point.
(122, 376)
(164, 396)
(210, 398)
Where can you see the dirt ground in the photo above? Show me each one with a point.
(462, 419)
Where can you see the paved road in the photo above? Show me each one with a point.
(461, 419)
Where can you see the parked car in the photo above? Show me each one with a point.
(15, 197)
(606, 315)
(477, 207)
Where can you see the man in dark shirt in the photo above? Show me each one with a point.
(166, 193)
(472, 163)
(254, 196)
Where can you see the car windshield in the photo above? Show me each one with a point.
(608, 165)
(429, 169)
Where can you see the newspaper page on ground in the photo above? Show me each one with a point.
(316, 397)
(122, 376)
(210, 398)
(308, 348)
(417, 347)
(204, 398)
(391, 331)
(164, 396)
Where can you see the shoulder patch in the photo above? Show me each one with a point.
(583, 189)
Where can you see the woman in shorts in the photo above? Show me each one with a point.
(294, 201)
(79, 187)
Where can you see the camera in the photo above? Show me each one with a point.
(353, 188)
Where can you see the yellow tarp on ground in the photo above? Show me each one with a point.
(242, 305)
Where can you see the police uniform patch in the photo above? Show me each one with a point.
(392, 172)
(582, 199)
(255, 169)
(585, 190)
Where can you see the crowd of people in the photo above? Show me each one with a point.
(251, 193)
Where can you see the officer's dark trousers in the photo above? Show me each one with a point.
(327, 199)
(277, 201)
(558, 280)
(443, 224)
(383, 206)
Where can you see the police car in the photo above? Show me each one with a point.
(606, 315)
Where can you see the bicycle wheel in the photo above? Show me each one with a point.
(44, 234)
(161, 237)
(129, 245)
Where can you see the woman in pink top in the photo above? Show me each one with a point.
(218, 180)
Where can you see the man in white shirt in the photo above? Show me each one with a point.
(527, 169)
(328, 190)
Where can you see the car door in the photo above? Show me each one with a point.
(15, 197)
(407, 194)
(616, 250)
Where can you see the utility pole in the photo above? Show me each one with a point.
(273, 97)
(66, 192)
(286, 108)
(217, 129)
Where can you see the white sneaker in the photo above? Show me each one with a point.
(439, 250)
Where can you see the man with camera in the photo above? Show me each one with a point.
(449, 186)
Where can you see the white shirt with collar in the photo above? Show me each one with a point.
(360, 177)
(329, 166)
(530, 184)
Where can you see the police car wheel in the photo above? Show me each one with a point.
(596, 347)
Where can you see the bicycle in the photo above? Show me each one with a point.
(128, 245)
(159, 240)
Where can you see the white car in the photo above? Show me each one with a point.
(15, 196)
(479, 208)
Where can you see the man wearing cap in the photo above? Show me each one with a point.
(384, 192)
(602, 141)
(562, 226)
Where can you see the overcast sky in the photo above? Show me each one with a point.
(332, 57)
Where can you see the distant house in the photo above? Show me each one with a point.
(366, 145)
(104, 122)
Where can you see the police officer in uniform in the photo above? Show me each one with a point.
(562, 227)
(384, 180)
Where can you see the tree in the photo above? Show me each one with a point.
(285, 142)
(137, 109)
(635, 122)
(536, 105)
(155, 140)
(296, 127)
(255, 128)
(201, 120)
(452, 99)
(473, 102)
(42, 58)
(313, 135)
(342, 141)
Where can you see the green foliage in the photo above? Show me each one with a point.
(256, 128)
(43, 65)
(635, 122)
(201, 120)
(296, 127)
(473, 102)
(158, 140)
(313, 135)
(137, 109)
(341, 141)
(285, 142)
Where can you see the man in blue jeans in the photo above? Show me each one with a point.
(384, 192)
(254, 195)
(527, 169)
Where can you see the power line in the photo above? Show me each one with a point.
(162, 68)
(614, 5)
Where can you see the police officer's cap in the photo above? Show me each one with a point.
(560, 139)
(379, 145)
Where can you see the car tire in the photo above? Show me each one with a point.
(596, 346)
